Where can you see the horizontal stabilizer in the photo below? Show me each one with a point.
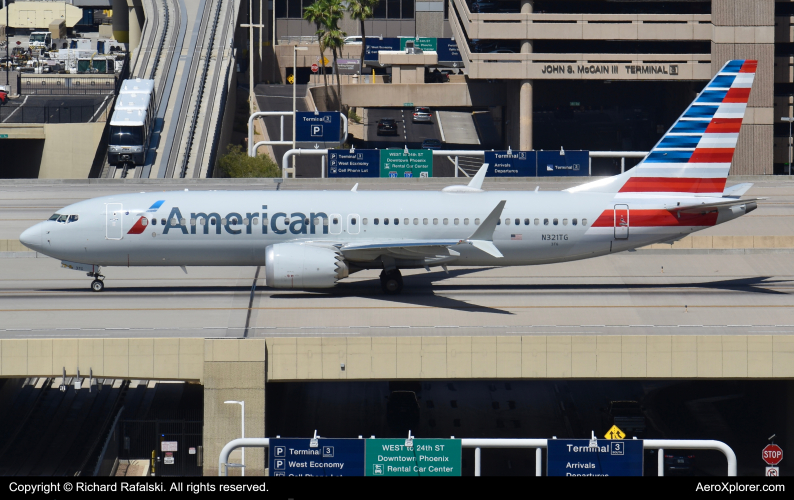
(737, 190)
(752, 204)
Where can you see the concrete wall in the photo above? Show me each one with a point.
(234, 369)
(69, 149)
(479, 94)
(237, 366)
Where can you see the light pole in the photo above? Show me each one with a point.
(789, 120)
(242, 429)
(295, 50)
(251, 27)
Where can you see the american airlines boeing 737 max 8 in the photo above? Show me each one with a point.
(312, 239)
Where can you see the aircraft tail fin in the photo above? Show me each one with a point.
(695, 154)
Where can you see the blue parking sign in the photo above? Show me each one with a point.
(322, 128)
(328, 457)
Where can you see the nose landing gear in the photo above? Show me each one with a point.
(98, 284)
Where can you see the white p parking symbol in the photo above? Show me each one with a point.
(317, 131)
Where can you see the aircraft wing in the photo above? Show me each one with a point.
(482, 238)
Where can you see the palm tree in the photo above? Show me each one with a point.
(334, 38)
(361, 10)
(316, 13)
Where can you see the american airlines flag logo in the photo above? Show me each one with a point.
(515, 237)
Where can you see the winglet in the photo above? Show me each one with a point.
(476, 181)
(475, 184)
(482, 238)
(355, 187)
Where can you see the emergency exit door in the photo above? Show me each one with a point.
(113, 221)
(621, 222)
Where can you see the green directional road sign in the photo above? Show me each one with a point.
(3, 136)
(396, 163)
(427, 457)
(422, 43)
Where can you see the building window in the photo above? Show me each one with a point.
(394, 9)
(291, 9)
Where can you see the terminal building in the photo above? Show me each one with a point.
(589, 74)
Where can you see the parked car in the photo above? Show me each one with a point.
(3, 97)
(431, 144)
(387, 126)
(479, 7)
(422, 114)
(679, 464)
(436, 76)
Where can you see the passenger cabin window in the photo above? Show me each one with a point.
(435, 222)
(537, 221)
(162, 221)
(465, 222)
(545, 222)
(573, 222)
(396, 221)
(507, 222)
(223, 221)
(255, 221)
(526, 222)
(476, 222)
(364, 221)
(424, 221)
(305, 221)
(183, 221)
(145, 221)
(565, 222)
(154, 222)
(457, 221)
(386, 222)
(416, 222)
(584, 222)
(336, 221)
(376, 221)
(555, 222)
(353, 221)
(498, 222)
(405, 221)
(518, 222)
(446, 221)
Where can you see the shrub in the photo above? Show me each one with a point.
(237, 164)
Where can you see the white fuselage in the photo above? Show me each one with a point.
(110, 232)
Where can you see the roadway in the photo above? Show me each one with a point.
(646, 292)
(408, 133)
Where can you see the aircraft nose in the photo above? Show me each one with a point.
(31, 237)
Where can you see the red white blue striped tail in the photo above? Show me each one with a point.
(695, 155)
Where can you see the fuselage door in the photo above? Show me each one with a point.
(621, 222)
(113, 221)
(353, 223)
(336, 224)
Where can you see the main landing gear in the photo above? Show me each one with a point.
(98, 284)
(391, 282)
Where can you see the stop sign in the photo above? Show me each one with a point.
(772, 454)
(315, 68)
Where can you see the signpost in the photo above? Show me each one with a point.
(322, 129)
(563, 163)
(168, 446)
(354, 163)
(425, 457)
(348, 66)
(406, 163)
(576, 457)
(329, 457)
(511, 163)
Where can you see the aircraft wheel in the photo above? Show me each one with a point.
(391, 283)
(97, 285)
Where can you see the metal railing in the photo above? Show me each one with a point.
(67, 85)
(84, 113)
(538, 444)
(440, 152)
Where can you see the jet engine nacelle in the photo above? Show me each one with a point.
(296, 265)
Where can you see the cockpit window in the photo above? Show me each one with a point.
(63, 218)
(54, 216)
(73, 218)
